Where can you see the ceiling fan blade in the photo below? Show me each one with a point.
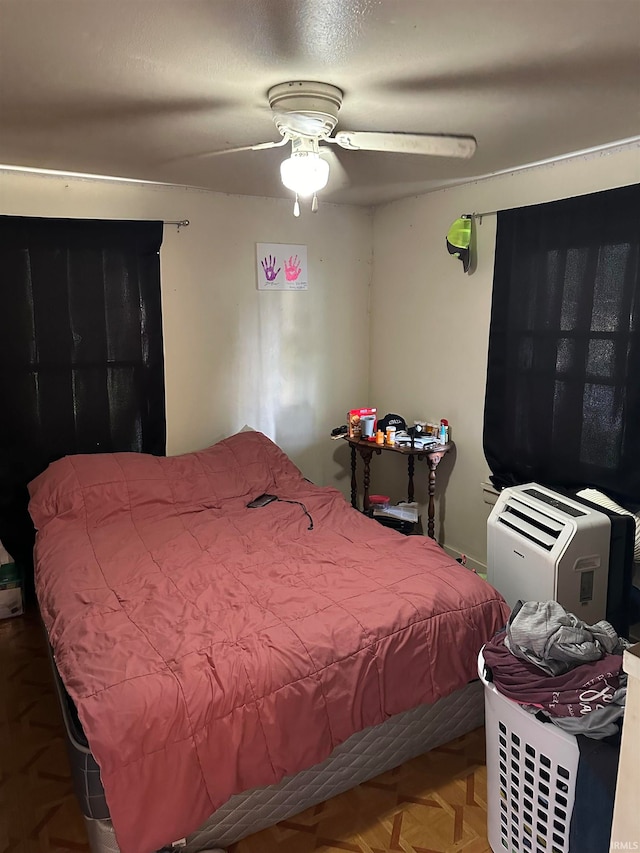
(260, 146)
(437, 145)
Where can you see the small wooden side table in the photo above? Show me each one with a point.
(366, 449)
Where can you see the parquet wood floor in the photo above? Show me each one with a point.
(38, 811)
(433, 804)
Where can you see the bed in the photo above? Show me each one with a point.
(226, 666)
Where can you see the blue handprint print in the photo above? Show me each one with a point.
(269, 267)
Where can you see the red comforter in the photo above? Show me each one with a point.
(211, 648)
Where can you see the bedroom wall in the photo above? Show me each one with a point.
(430, 324)
(288, 363)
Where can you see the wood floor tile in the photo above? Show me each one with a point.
(433, 804)
(38, 811)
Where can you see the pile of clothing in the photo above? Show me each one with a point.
(570, 674)
(550, 661)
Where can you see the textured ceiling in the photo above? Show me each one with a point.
(140, 88)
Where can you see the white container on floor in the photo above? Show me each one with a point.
(531, 777)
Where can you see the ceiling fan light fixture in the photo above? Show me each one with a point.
(305, 173)
(306, 114)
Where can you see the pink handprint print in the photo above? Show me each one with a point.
(292, 268)
(269, 267)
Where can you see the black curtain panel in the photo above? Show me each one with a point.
(81, 364)
(562, 400)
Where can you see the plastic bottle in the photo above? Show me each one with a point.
(443, 434)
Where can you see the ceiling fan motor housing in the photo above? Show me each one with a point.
(305, 108)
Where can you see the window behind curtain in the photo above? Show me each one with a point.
(81, 358)
(563, 381)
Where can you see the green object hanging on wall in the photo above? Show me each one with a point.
(459, 240)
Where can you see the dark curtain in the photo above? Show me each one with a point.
(81, 365)
(562, 403)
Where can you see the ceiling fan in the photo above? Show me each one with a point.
(306, 114)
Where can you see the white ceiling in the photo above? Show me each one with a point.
(135, 88)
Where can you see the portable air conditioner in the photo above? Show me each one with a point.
(545, 545)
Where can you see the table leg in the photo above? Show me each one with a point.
(367, 460)
(433, 460)
(411, 465)
(431, 511)
(366, 453)
(354, 481)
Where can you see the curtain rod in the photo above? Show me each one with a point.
(179, 223)
(479, 216)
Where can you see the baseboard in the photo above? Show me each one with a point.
(471, 563)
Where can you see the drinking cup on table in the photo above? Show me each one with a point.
(367, 422)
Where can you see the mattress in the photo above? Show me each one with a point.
(364, 755)
(211, 648)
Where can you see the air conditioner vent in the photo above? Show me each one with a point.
(531, 524)
(545, 522)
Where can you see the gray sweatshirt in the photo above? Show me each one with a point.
(543, 633)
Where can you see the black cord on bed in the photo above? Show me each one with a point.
(265, 499)
(305, 510)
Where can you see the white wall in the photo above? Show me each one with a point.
(292, 364)
(288, 363)
(430, 323)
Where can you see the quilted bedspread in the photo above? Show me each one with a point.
(211, 648)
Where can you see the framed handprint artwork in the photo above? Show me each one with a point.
(281, 266)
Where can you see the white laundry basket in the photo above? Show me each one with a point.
(531, 778)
